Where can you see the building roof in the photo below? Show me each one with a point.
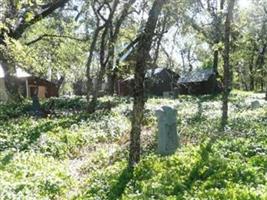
(151, 72)
(20, 73)
(199, 75)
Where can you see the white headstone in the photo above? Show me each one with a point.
(168, 140)
(255, 104)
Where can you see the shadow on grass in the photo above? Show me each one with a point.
(23, 138)
(80, 104)
(209, 97)
(6, 159)
(107, 105)
(198, 117)
(118, 188)
(195, 173)
(199, 109)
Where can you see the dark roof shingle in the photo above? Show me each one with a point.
(196, 76)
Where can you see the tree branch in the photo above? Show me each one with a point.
(23, 25)
(122, 17)
(55, 36)
(197, 27)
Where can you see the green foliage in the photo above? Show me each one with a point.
(233, 166)
(75, 155)
(13, 110)
(32, 176)
(76, 103)
(222, 172)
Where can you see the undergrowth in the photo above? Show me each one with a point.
(75, 155)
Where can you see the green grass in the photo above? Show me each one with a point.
(73, 155)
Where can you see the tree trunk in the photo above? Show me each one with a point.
(160, 37)
(11, 84)
(104, 57)
(98, 86)
(226, 66)
(251, 70)
(251, 78)
(215, 69)
(112, 70)
(143, 49)
(89, 82)
(112, 81)
(60, 83)
(101, 73)
(260, 63)
(215, 62)
(36, 107)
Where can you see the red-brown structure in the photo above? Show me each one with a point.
(27, 85)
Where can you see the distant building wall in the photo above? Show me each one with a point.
(125, 87)
(209, 86)
(46, 89)
(157, 82)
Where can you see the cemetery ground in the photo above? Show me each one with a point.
(74, 155)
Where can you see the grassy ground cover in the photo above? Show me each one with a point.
(73, 155)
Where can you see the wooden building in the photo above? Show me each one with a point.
(125, 87)
(27, 85)
(46, 89)
(198, 82)
(157, 81)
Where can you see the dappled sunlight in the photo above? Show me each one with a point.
(87, 153)
(133, 99)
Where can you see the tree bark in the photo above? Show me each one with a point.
(101, 73)
(215, 62)
(143, 49)
(112, 70)
(251, 67)
(104, 57)
(260, 63)
(59, 83)
(100, 76)
(227, 68)
(10, 80)
(89, 82)
(251, 75)
(160, 37)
